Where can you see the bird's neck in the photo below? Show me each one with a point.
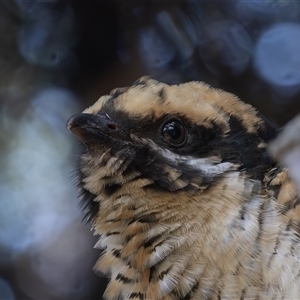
(172, 241)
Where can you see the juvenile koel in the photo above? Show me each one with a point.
(178, 184)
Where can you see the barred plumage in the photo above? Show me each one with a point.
(186, 200)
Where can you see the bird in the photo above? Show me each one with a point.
(177, 182)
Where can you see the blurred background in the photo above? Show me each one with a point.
(57, 57)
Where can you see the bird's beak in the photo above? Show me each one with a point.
(91, 128)
(79, 121)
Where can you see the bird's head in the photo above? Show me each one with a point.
(180, 137)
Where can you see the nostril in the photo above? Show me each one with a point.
(112, 126)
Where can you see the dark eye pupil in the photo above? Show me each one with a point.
(172, 130)
(174, 133)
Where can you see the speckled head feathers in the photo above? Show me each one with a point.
(216, 124)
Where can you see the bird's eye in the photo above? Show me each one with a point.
(174, 133)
